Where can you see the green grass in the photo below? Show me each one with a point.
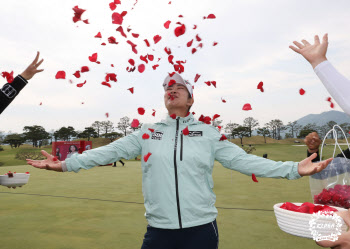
(40, 214)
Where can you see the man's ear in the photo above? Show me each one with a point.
(190, 102)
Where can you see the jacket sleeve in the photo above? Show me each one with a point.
(10, 90)
(233, 157)
(127, 147)
(337, 85)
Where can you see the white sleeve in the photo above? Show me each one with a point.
(337, 85)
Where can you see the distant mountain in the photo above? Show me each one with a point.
(324, 117)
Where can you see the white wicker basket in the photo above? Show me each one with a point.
(297, 223)
(13, 180)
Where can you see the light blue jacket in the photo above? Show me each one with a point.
(177, 181)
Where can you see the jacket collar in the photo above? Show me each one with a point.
(190, 120)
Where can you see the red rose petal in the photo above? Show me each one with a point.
(216, 116)
(166, 24)
(223, 137)
(107, 115)
(77, 74)
(173, 116)
(112, 6)
(117, 18)
(180, 30)
(254, 178)
(131, 89)
(329, 99)
(171, 82)
(77, 13)
(215, 43)
(86, 21)
(167, 50)
(103, 44)
(224, 101)
(135, 123)
(106, 84)
(84, 69)
(170, 59)
(198, 38)
(332, 105)
(144, 58)
(189, 44)
(93, 57)
(200, 45)
(213, 83)
(133, 46)
(301, 91)
(8, 76)
(120, 29)
(132, 62)
(141, 110)
(60, 75)
(151, 130)
(219, 127)
(145, 136)
(98, 35)
(211, 16)
(156, 39)
(112, 40)
(41, 103)
(155, 66)
(195, 26)
(247, 107)
(171, 74)
(81, 84)
(135, 35)
(185, 131)
(197, 77)
(124, 13)
(194, 50)
(141, 68)
(154, 113)
(150, 57)
(145, 158)
(111, 76)
(147, 43)
(207, 82)
(260, 86)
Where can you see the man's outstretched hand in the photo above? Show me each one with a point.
(307, 167)
(50, 163)
(313, 53)
(32, 69)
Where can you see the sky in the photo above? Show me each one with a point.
(253, 45)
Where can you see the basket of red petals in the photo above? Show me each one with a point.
(13, 180)
(294, 218)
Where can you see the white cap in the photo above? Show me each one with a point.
(179, 80)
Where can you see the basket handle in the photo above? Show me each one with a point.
(336, 141)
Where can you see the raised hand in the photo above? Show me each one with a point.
(307, 167)
(50, 163)
(313, 53)
(32, 69)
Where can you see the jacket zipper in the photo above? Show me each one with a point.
(176, 181)
(181, 149)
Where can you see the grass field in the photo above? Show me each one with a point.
(103, 207)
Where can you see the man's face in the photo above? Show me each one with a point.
(176, 96)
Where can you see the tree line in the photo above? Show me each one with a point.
(38, 136)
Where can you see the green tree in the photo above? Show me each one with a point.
(113, 135)
(107, 126)
(65, 133)
(241, 132)
(97, 125)
(88, 133)
(35, 134)
(251, 123)
(263, 132)
(124, 124)
(229, 128)
(14, 140)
